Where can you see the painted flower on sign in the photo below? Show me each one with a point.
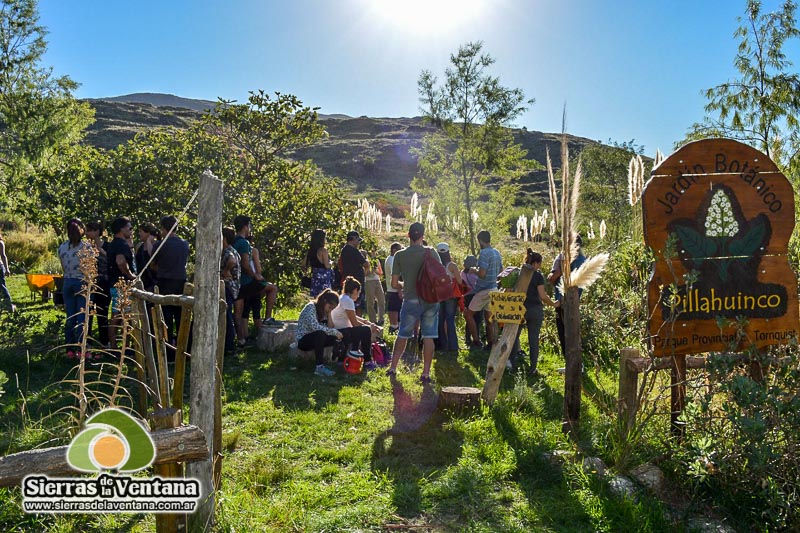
(720, 220)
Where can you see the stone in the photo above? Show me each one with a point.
(649, 476)
(623, 487)
(594, 465)
(708, 525)
(276, 338)
(556, 457)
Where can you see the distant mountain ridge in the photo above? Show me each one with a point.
(368, 152)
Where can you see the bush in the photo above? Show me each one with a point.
(28, 251)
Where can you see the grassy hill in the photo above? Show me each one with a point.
(372, 153)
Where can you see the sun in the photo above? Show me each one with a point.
(424, 16)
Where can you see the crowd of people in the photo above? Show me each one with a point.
(341, 295)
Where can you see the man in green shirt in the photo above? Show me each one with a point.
(407, 264)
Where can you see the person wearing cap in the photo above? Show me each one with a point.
(554, 277)
(448, 339)
(394, 297)
(490, 264)
(468, 280)
(353, 264)
(407, 264)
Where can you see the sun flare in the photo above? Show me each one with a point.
(423, 16)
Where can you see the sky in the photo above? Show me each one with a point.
(624, 69)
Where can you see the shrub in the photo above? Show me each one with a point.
(27, 251)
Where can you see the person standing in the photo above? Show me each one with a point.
(394, 297)
(170, 257)
(554, 277)
(74, 295)
(353, 264)
(535, 297)
(102, 296)
(8, 304)
(374, 291)
(448, 338)
(121, 266)
(490, 264)
(468, 280)
(318, 260)
(147, 241)
(230, 269)
(407, 264)
(249, 287)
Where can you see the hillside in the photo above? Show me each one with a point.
(372, 153)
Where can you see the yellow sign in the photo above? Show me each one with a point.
(507, 306)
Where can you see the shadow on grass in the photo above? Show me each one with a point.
(291, 383)
(416, 446)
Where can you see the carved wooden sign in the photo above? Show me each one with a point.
(718, 215)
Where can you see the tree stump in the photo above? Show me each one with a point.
(459, 399)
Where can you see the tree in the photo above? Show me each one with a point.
(760, 107)
(39, 118)
(470, 165)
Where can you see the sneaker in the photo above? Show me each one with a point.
(476, 346)
(322, 370)
(535, 374)
(391, 373)
(393, 330)
(272, 322)
(509, 366)
(425, 380)
(370, 365)
(356, 353)
(562, 370)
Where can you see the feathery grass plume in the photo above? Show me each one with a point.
(576, 190)
(551, 181)
(388, 223)
(590, 233)
(603, 229)
(589, 271)
(658, 159)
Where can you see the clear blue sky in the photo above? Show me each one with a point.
(626, 69)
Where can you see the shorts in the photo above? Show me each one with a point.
(480, 300)
(393, 302)
(250, 291)
(115, 310)
(426, 314)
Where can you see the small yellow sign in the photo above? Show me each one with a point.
(507, 306)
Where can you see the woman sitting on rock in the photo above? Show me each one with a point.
(356, 330)
(313, 332)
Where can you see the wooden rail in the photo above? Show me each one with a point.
(184, 444)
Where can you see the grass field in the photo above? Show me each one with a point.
(347, 453)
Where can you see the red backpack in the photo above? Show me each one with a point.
(433, 282)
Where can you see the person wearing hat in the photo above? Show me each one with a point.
(448, 339)
(352, 264)
(407, 264)
(394, 298)
(468, 280)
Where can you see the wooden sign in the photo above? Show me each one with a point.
(507, 307)
(718, 215)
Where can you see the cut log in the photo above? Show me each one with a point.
(459, 398)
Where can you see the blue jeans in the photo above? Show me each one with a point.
(448, 340)
(426, 314)
(5, 296)
(534, 316)
(74, 302)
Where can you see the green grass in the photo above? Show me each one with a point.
(347, 453)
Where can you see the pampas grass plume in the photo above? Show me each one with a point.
(589, 271)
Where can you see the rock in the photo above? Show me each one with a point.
(594, 465)
(623, 487)
(649, 476)
(556, 457)
(276, 338)
(708, 525)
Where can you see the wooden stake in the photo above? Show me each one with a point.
(627, 404)
(167, 419)
(678, 396)
(573, 353)
(204, 364)
(180, 350)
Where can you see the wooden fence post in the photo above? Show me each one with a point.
(573, 355)
(627, 404)
(216, 449)
(168, 418)
(206, 332)
(678, 396)
(185, 326)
